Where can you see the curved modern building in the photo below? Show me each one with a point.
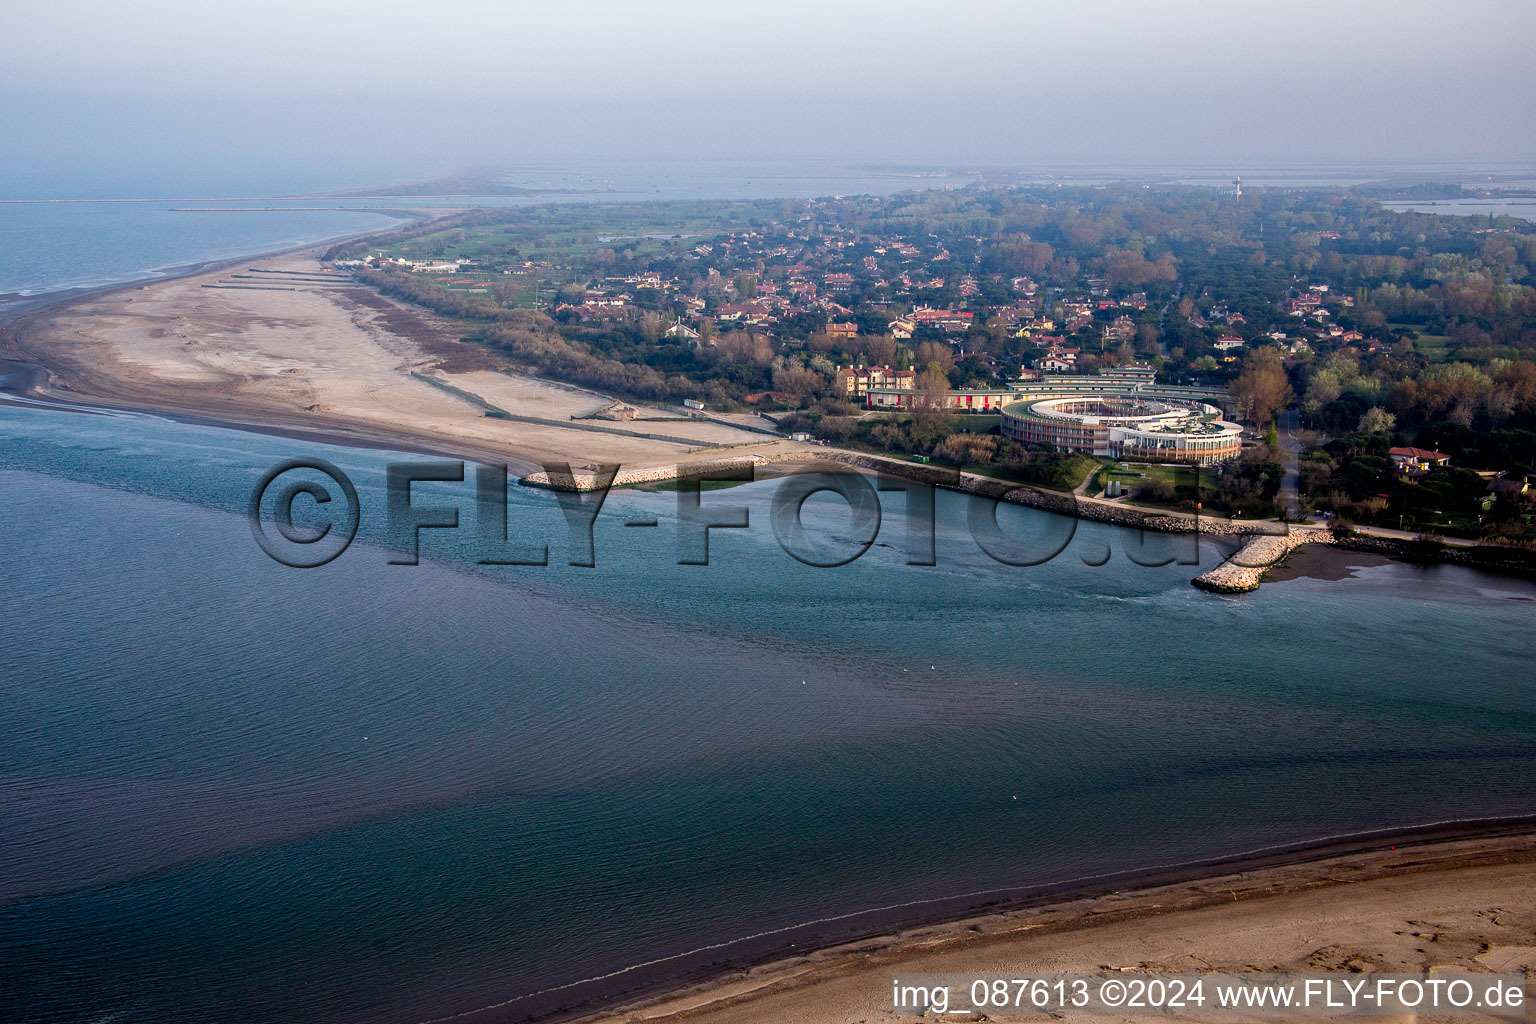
(1126, 426)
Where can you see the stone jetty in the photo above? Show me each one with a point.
(1240, 573)
(1245, 569)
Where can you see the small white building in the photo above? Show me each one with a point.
(682, 332)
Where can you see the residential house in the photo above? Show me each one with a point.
(856, 382)
(1413, 462)
(744, 312)
(1122, 329)
(944, 319)
(682, 332)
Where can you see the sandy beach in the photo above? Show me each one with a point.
(281, 343)
(1464, 905)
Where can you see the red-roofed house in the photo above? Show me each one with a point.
(944, 319)
(1417, 461)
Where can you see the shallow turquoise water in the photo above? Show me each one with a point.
(230, 789)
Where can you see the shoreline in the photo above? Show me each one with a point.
(332, 361)
(874, 941)
(34, 364)
(25, 377)
(17, 304)
(338, 436)
(770, 962)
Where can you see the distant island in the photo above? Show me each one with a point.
(486, 181)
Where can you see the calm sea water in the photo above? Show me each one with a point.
(371, 792)
(48, 247)
(380, 793)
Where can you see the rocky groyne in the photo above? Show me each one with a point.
(1266, 546)
(1245, 569)
(1242, 572)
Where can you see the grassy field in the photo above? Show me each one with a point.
(522, 241)
(546, 247)
(1181, 479)
(556, 242)
(1082, 465)
(1101, 476)
(1433, 347)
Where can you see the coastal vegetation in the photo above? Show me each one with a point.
(1399, 328)
(1355, 478)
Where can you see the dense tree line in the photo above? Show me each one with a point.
(1447, 305)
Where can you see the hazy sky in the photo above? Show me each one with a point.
(429, 86)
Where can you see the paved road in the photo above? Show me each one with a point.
(1385, 531)
(1258, 525)
(1162, 321)
(1290, 497)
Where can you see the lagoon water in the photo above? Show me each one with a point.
(369, 792)
(1525, 208)
(377, 792)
